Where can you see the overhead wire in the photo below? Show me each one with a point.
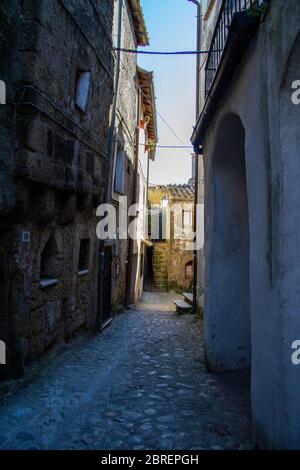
(138, 51)
(157, 146)
(158, 113)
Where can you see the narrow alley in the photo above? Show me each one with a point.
(141, 384)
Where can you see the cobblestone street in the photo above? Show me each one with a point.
(141, 384)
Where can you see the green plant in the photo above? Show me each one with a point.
(150, 145)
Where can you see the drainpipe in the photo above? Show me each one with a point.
(147, 194)
(198, 48)
(109, 161)
(134, 201)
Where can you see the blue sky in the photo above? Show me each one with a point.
(172, 26)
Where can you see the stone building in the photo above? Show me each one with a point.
(124, 166)
(148, 138)
(57, 63)
(169, 262)
(250, 136)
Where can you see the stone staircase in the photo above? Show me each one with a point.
(184, 305)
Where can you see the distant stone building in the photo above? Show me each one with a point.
(57, 63)
(169, 262)
(249, 133)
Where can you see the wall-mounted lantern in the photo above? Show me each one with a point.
(144, 122)
(165, 202)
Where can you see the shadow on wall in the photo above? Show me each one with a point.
(227, 321)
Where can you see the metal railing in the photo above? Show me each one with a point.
(227, 11)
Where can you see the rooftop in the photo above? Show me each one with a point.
(177, 191)
(139, 23)
(148, 99)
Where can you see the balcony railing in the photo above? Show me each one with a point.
(227, 11)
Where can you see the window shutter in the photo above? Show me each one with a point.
(119, 171)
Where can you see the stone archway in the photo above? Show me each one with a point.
(227, 309)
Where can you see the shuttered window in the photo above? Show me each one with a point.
(119, 180)
(159, 224)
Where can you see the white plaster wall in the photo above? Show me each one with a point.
(272, 165)
(141, 228)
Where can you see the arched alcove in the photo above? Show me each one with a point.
(227, 316)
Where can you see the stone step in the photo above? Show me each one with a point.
(188, 297)
(182, 306)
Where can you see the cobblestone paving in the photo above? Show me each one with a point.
(141, 384)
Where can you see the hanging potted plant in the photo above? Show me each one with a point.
(150, 146)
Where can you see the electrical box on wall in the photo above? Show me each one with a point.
(25, 236)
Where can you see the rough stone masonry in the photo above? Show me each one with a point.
(53, 165)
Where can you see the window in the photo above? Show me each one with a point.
(2, 92)
(83, 90)
(84, 255)
(189, 270)
(162, 225)
(119, 180)
(187, 218)
(49, 268)
(159, 224)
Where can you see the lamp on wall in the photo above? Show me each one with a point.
(144, 122)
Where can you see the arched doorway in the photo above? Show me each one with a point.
(227, 310)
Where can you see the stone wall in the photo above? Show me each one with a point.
(169, 261)
(170, 257)
(179, 257)
(55, 170)
(125, 132)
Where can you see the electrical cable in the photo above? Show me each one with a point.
(108, 35)
(157, 146)
(158, 113)
(42, 111)
(92, 45)
(137, 51)
(56, 107)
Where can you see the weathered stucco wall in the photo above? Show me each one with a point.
(260, 97)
